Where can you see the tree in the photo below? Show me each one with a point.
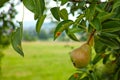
(99, 20)
(29, 35)
(7, 25)
(43, 35)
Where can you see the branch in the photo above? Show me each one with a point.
(91, 35)
(97, 2)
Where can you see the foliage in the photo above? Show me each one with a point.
(43, 35)
(29, 35)
(9, 31)
(7, 24)
(99, 20)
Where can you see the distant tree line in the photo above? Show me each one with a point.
(44, 35)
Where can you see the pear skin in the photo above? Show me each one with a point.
(81, 56)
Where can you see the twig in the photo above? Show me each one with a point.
(91, 35)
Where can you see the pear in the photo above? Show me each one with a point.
(81, 56)
(106, 71)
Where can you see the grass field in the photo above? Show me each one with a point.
(42, 61)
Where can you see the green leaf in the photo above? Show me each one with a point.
(111, 26)
(79, 18)
(104, 16)
(105, 59)
(63, 14)
(74, 30)
(71, 35)
(85, 78)
(97, 58)
(117, 11)
(63, 2)
(109, 42)
(96, 24)
(55, 12)
(39, 8)
(81, 4)
(90, 12)
(75, 76)
(16, 38)
(116, 4)
(93, 76)
(116, 76)
(61, 27)
(2, 2)
(99, 9)
(30, 5)
(36, 6)
(39, 23)
(99, 46)
(106, 34)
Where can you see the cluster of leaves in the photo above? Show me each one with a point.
(9, 31)
(6, 24)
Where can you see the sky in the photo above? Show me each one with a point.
(28, 16)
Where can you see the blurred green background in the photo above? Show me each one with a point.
(42, 61)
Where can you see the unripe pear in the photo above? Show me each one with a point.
(81, 56)
(105, 71)
(109, 68)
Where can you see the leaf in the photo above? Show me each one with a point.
(96, 59)
(63, 14)
(106, 58)
(16, 38)
(99, 46)
(104, 16)
(74, 30)
(55, 12)
(99, 9)
(39, 23)
(30, 5)
(63, 2)
(116, 76)
(36, 6)
(2, 2)
(77, 21)
(83, 24)
(81, 4)
(90, 12)
(75, 76)
(96, 24)
(109, 42)
(93, 76)
(116, 4)
(71, 36)
(111, 26)
(109, 35)
(85, 78)
(61, 27)
(117, 11)
(39, 8)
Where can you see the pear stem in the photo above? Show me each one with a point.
(91, 35)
